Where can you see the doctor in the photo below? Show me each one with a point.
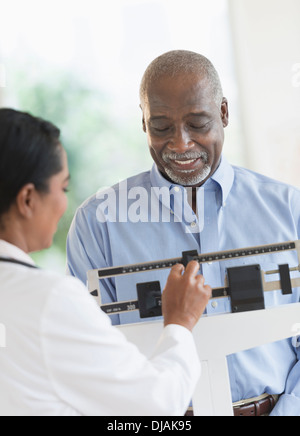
(62, 355)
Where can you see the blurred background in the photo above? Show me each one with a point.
(79, 64)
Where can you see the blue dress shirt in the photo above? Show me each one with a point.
(146, 218)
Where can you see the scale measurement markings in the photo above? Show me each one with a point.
(122, 307)
(201, 258)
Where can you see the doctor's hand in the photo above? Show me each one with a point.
(185, 296)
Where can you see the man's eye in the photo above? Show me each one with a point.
(161, 129)
(199, 126)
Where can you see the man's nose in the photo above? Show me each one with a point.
(181, 141)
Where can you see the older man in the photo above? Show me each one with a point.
(193, 199)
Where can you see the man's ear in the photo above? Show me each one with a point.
(25, 200)
(144, 125)
(143, 121)
(225, 112)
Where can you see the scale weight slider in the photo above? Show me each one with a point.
(246, 288)
(149, 298)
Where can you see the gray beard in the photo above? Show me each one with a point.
(188, 178)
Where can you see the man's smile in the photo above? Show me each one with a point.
(186, 162)
(187, 165)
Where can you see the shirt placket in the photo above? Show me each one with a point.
(209, 240)
(183, 213)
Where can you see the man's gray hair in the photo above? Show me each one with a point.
(180, 62)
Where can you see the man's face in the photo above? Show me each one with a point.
(185, 128)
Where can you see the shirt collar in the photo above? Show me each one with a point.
(10, 251)
(158, 180)
(223, 176)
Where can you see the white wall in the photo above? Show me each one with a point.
(266, 39)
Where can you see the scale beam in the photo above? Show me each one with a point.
(217, 293)
(104, 273)
(244, 285)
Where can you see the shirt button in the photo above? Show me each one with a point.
(176, 189)
(214, 304)
(193, 225)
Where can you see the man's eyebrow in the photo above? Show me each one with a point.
(159, 117)
(202, 114)
(199, 114)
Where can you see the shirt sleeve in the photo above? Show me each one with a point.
(79, 260)
(289, 402)
(95, 370)
(88, 248)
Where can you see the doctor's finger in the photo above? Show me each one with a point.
(192, 269)
(177, 270)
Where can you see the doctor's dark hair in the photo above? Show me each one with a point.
(30, 152)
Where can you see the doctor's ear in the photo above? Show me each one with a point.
(25, 200)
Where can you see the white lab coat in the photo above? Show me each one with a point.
(63, 357)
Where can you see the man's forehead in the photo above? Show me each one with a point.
(178, 93)
(195, 104)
